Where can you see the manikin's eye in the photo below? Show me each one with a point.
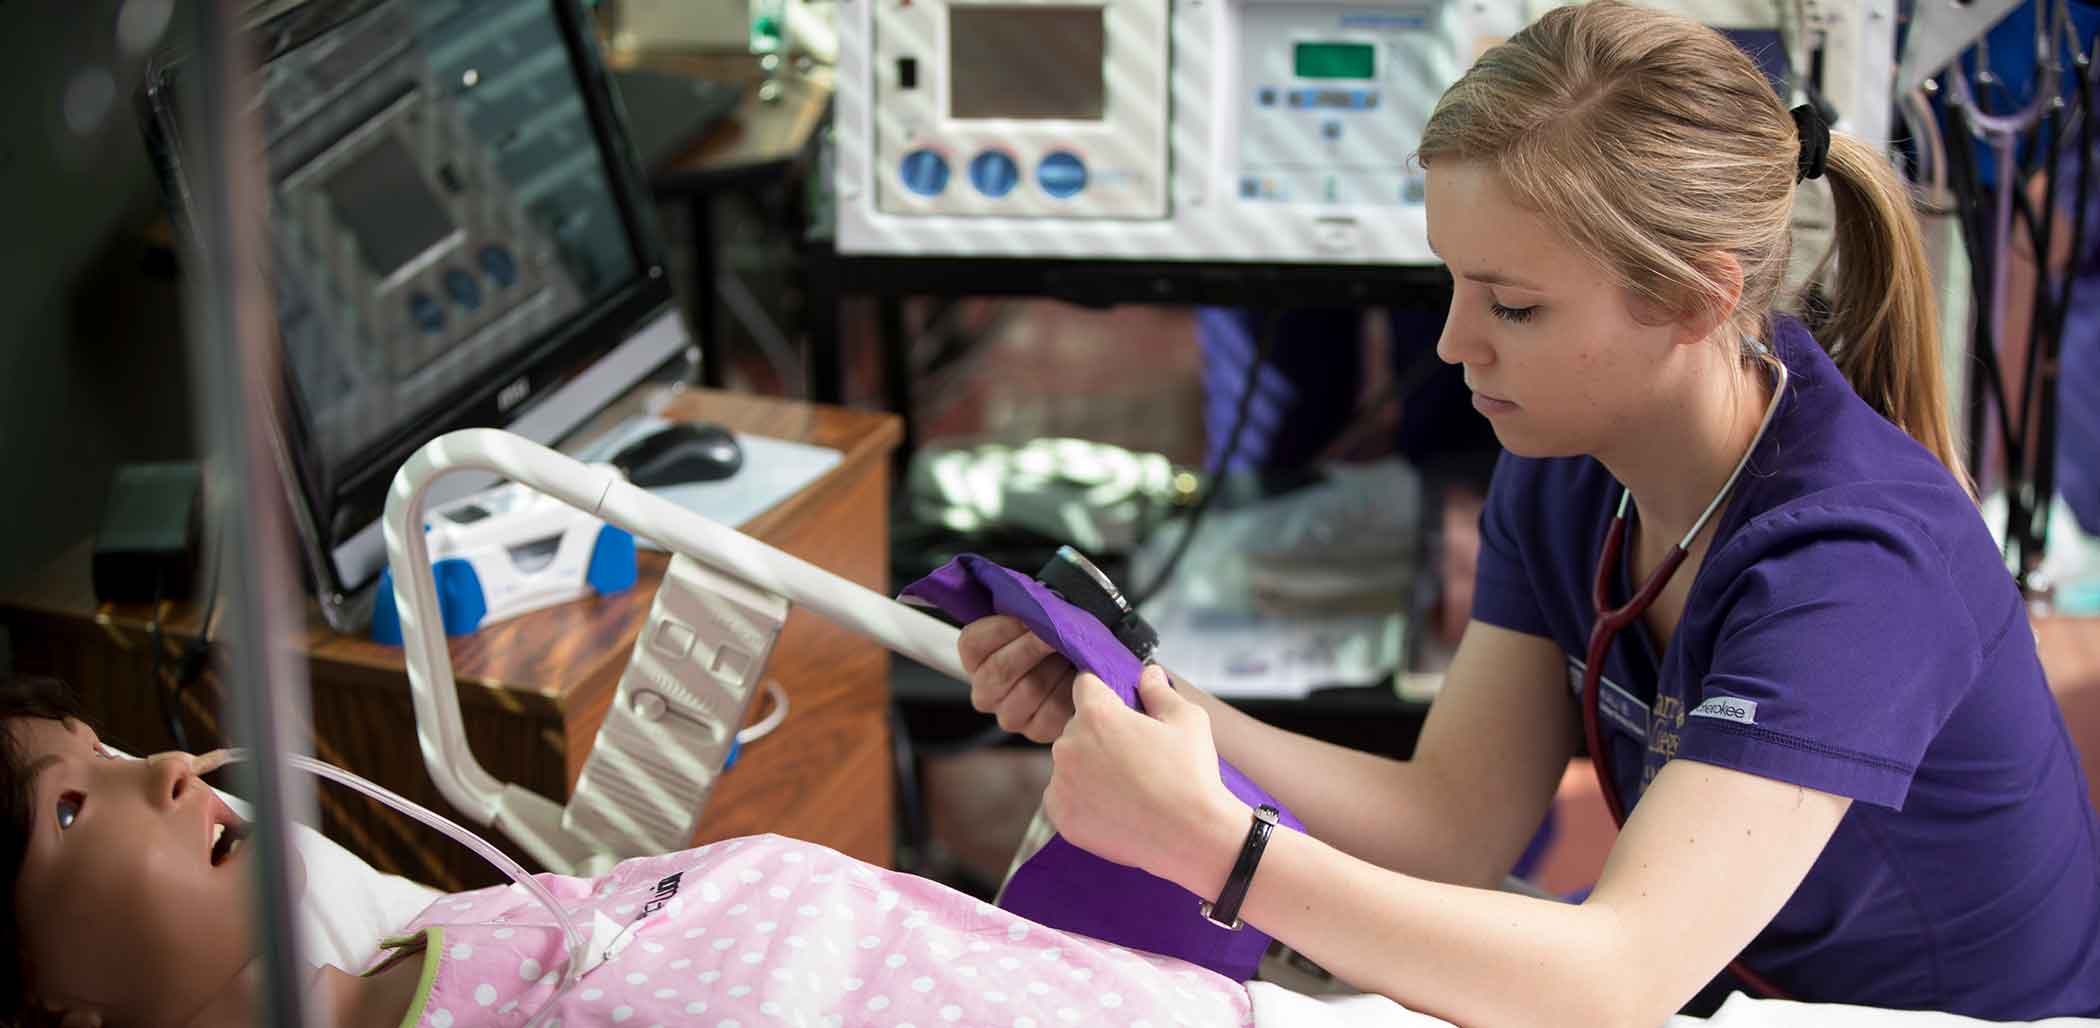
(69, 808)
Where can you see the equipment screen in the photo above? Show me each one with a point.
(1334, 60)
(382, 198)
(1031, 62)
(456, 240)
(450, 139)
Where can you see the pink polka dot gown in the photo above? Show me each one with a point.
(766, 931)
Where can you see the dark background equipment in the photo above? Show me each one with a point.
(146, 548)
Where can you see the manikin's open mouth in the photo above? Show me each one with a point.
(225, 839)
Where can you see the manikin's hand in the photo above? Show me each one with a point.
(1142, 789)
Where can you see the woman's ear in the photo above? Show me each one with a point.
(1718, 308)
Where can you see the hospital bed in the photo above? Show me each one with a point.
(348, 906)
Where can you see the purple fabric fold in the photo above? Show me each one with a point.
(1063, 886)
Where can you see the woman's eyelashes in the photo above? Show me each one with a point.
(1517, 315)
(68, 811)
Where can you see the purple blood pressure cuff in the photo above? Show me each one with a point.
(1063, 886)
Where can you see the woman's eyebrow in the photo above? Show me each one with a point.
(1493, 279)
(1489, 277)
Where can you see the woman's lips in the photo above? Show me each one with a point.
(1491, 405)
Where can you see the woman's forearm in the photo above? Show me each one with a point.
(1376, 808)
(1476, 957)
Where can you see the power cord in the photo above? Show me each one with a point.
(2028, 450)
(1264, 343)
(2029, 530)
(170, 716)
(190, 664)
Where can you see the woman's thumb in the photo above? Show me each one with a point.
(1158, 695)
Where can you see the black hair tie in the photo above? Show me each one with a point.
(1815, 142)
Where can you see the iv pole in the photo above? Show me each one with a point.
(233, 359)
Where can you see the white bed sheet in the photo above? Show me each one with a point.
(1277, 1007)
(1741, 1011)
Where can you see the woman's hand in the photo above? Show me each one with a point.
(1142, 788)
(1017, 677)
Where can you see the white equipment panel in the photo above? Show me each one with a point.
(1271, 131)
(1022, 109)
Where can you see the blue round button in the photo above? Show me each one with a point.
(1061, 174)
(994, 173)
(498, 264)
(924, 172)
(428, 315)
(462, 288)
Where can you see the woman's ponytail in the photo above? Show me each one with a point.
(1883, 327)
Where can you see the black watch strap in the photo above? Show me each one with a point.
(1225, 912)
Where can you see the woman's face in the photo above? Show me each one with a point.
(127, 907)
(1546, 335)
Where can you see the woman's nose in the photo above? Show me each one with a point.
(1460, 344)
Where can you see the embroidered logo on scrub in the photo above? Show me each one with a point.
(1728, 708)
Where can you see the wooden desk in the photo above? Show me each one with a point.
(534, 689)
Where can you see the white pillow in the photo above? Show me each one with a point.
(348, 906)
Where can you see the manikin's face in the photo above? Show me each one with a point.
(1547, 336)
(128, 909)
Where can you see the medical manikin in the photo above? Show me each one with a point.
(132, 907)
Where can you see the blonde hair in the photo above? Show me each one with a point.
(1655, 145)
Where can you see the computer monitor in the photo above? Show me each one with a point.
(458, 238)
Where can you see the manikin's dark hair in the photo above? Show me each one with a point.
(21, 696)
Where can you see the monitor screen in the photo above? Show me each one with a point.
(438, 208)
(1027, 61)
(390, 211)
(455, 229)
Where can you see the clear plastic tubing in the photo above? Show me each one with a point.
(216, 759)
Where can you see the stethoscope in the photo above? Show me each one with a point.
(1611, 620)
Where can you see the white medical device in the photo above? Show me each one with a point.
(686, 689)
(1228, 130)
(510, 550)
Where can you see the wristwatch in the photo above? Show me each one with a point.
(1225, 911)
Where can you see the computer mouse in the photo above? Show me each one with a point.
(681, 452)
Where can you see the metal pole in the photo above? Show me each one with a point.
(234, 362)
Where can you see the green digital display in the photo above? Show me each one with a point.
(1333, 60)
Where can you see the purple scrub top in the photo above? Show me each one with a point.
(1853, 629)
